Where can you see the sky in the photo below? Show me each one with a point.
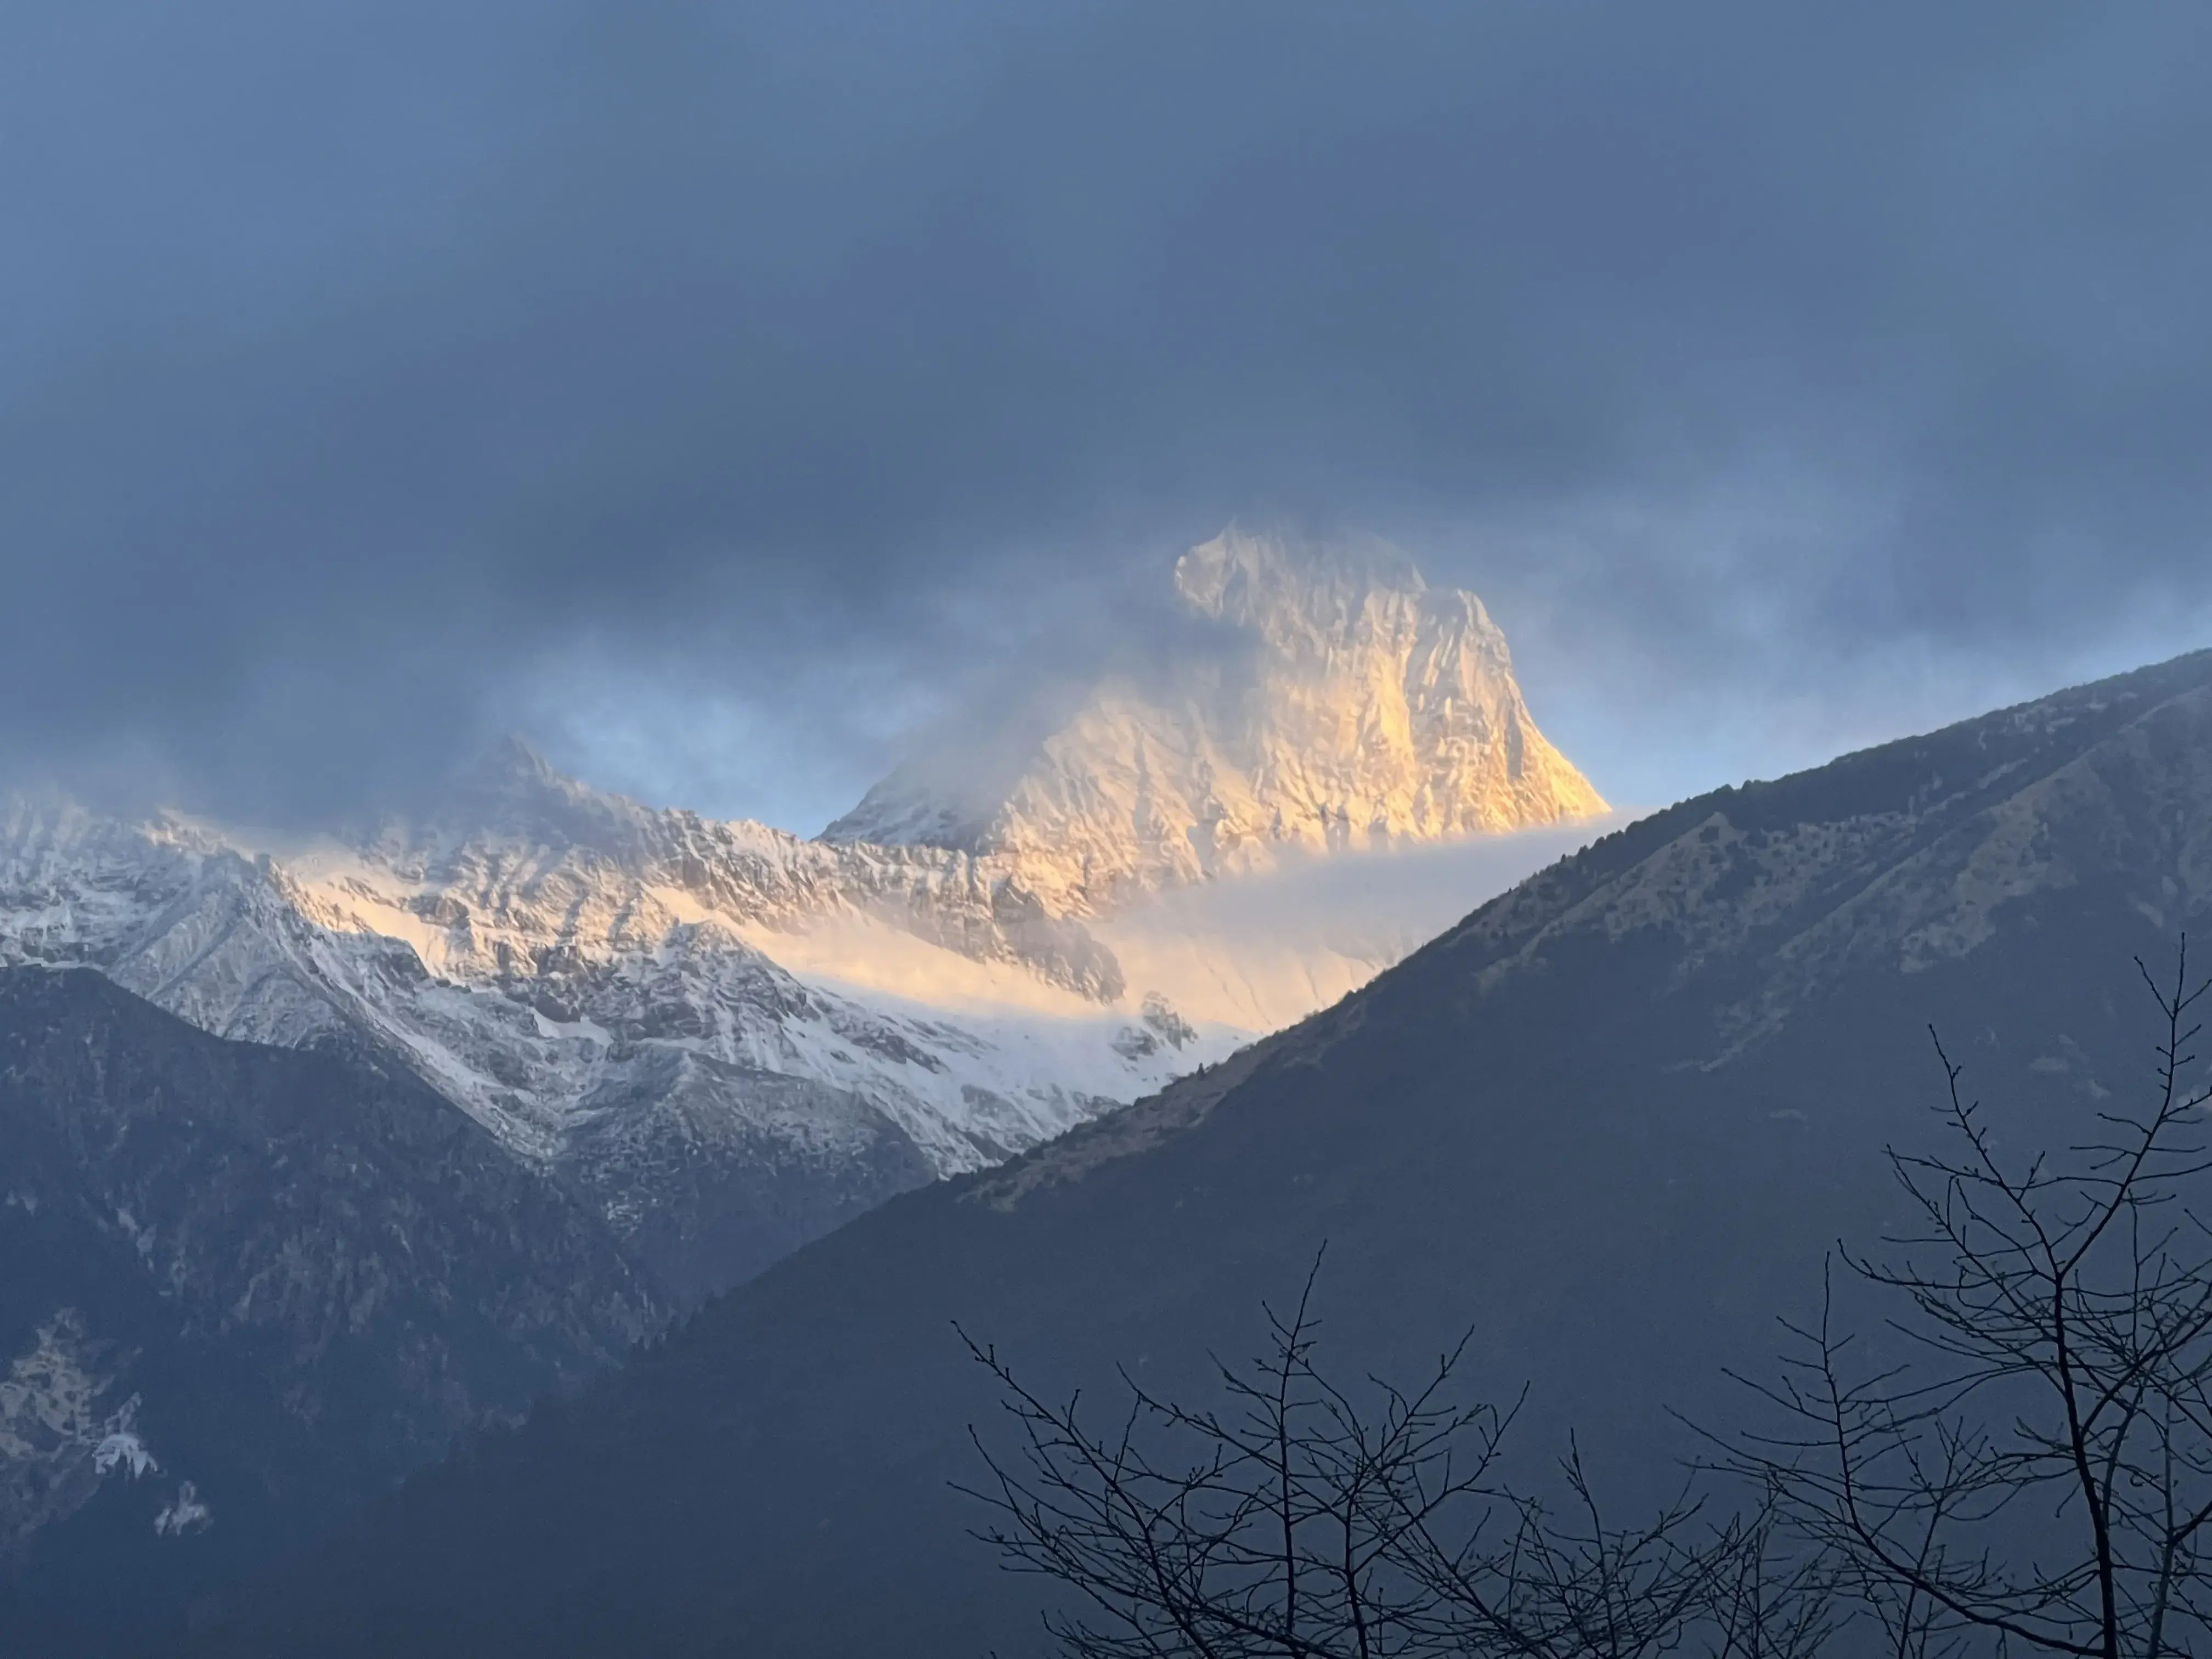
(715, 393)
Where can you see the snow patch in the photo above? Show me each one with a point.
(184, 1514)
(122, 1449)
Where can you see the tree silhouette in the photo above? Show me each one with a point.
(2037, 1473)
(1296, 1520)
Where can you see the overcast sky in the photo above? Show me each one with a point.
(713, 391)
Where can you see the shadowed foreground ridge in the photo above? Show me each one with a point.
(1614, 1118)
(246, 1288)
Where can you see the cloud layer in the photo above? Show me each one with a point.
(717, 391)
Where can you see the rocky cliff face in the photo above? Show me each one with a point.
(1349, 706)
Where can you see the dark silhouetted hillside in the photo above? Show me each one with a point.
(1615, 1118)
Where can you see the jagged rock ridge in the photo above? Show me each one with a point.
(592, 981)
(1352, 707)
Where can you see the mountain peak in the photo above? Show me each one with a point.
(1352, 705)
(515, 759)
(1243, 575)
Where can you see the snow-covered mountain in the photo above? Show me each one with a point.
(662, 1051)
(1614, 1123)
(1349, 706)
(729, 1039)
(598, 984)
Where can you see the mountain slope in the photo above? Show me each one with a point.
(1349, 706)
(1615, 1118)
(591, 982)
(729, 1040)
(244, 1288)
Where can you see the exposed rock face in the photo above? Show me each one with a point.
(1353, 706)
(245, 1286)
(525, 843)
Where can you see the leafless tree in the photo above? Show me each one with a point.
(1296, 1521)
(2031, 1469)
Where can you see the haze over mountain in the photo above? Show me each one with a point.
(1356, 708)
(1615, 1118)
(1784, 382)
(922, 883)
(730, 1038)
(705, 1044)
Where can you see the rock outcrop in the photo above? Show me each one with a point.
(1347, 705)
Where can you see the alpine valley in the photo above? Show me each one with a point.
(376, 1133)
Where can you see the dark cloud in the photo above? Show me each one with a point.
(718, 390)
